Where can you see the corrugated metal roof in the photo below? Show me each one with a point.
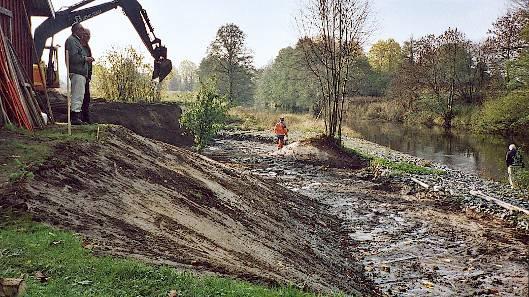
(42, 8)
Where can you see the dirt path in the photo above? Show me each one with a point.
(410, 244)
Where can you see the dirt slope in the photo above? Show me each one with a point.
(134, 196)
(160, 121)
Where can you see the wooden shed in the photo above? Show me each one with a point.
(15, 21)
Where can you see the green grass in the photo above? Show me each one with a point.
(27, 247)
(404, 167)
(395, 167)
(184, 99)
(21, 149)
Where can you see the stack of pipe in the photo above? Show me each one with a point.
(18, 102)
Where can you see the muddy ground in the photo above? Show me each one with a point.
(136, 197)
(411, 243)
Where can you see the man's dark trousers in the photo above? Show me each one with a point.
(85, 110)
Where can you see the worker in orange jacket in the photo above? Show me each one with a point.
(281, 132)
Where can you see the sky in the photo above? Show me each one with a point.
(187, 27)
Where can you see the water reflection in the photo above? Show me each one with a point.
(461, 150)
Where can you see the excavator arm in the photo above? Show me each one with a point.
(65, 18)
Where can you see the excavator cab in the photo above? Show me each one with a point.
(47, 76)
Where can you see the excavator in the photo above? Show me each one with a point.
(68, 16)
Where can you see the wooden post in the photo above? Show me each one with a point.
(503, 204)
(420, 183)
(68, 92)
(12, 287)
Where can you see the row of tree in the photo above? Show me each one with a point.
(442, 73)
(438, 74)
(184, 78)
(327, 67)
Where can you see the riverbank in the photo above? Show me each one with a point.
(411, 241)
(464, 188)
(457, 184)
(483, 155)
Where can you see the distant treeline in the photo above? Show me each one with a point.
(444, 80)
(437, 80)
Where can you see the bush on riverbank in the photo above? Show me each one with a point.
(507, 115)
(394, 112)
(388, 111)
(522, 177)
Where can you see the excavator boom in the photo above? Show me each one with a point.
(65, 18)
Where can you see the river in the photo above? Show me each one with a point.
(481, 154)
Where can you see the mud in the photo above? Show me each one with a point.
(135, 197)
(411, 243)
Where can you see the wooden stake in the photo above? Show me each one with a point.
(420, 183)
(12, 287)
(68, 93)
(503, 204)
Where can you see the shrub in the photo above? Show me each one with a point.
(206, 116)
(507, 114)
(522, 177)
(124, 76)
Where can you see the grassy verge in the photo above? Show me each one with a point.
(20, 149)
(395, 167)
(404, 167)
(243, 118)
(27, 248)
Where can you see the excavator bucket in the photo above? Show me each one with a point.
(162, 69)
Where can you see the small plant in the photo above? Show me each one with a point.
(206, 116)
(22, 172)
(404, 167)
(396, 167)
(522, 177)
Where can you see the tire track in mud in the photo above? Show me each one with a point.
(411, 244)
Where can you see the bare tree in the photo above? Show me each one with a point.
(332, 34)
(505, 42)
(521, 4)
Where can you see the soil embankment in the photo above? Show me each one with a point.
(158, 121)
(132, 196)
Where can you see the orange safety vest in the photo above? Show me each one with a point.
(281, 129)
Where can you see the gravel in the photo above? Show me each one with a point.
(455, 183)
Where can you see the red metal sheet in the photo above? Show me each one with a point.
(21, 39)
